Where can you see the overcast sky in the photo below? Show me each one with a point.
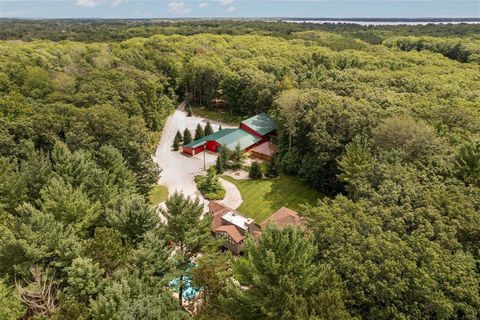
(238, 8)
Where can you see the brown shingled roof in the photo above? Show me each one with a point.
(283, 217)
(266, 148)
(232, 231)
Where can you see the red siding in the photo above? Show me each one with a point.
(193, 151)
(212, 145)
(250, 130)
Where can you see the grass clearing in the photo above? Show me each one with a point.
(158, 194)
(263, 197)
(216, 115)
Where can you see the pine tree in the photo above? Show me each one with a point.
(186, 228)
(219, 165)
(272, 168)
(176, 144)
(208, 129)
(224, 155)
(220, 128)
(179, 136)
(199, 132)
(187, 136)
(237, 157)
(280, 266)
(189, 112)
(255, 171)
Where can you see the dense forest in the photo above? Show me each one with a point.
(384, 121)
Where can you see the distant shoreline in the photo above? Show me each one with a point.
(384, 21)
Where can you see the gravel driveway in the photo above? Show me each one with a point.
(178, 169)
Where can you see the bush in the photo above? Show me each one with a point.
(272, 169)
(189, 112)
(210, 186)
(255, 171)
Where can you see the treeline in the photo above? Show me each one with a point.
(390, 137)
(455, 49)
(100, 30)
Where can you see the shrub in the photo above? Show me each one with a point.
(272, 168)
(255, 171)
(210, 186)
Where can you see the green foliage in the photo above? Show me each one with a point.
(189, 112)
(208, 129)
(176, 144)
(236, 157)
(199, 133)
(107, 249)
(132, 217)
(187, 229)
(413, 138)
(83, 278)
(356, 165)
(467, 163)
(283, 280)
(11, 307)
(179, 136)
(219, 168)
(272, 168)
(187, 136)
(255, 171)
(210, 185)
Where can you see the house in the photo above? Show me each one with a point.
(231, 225)
(252, 132)
(234, 227)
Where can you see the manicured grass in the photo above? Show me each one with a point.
(158, 194)
(216, 115)
(263, 197)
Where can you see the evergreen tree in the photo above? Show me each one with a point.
(199, 133)
(224, 155)
(187, 229)
(189, 112)
(272, 168)
(176, 144)
(11, 307)
(208, 129)
(237, 157)
(255, 171)
(220, 128)
(83, 277)
(187, 136)
(179, 136)
(283, 280)
(132, 217)
(219, 165)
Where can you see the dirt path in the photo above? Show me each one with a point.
(179, 170)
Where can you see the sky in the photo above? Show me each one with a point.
(239, 8)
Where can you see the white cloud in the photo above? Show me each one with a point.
(178, 7)
(88, 3)
(226, 2)
(231, 9)
(203, 5)
(116, 2)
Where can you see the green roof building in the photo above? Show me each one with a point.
(252, 132)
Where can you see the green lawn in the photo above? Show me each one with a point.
(263, 197)
(216, 115)
(158, 194)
